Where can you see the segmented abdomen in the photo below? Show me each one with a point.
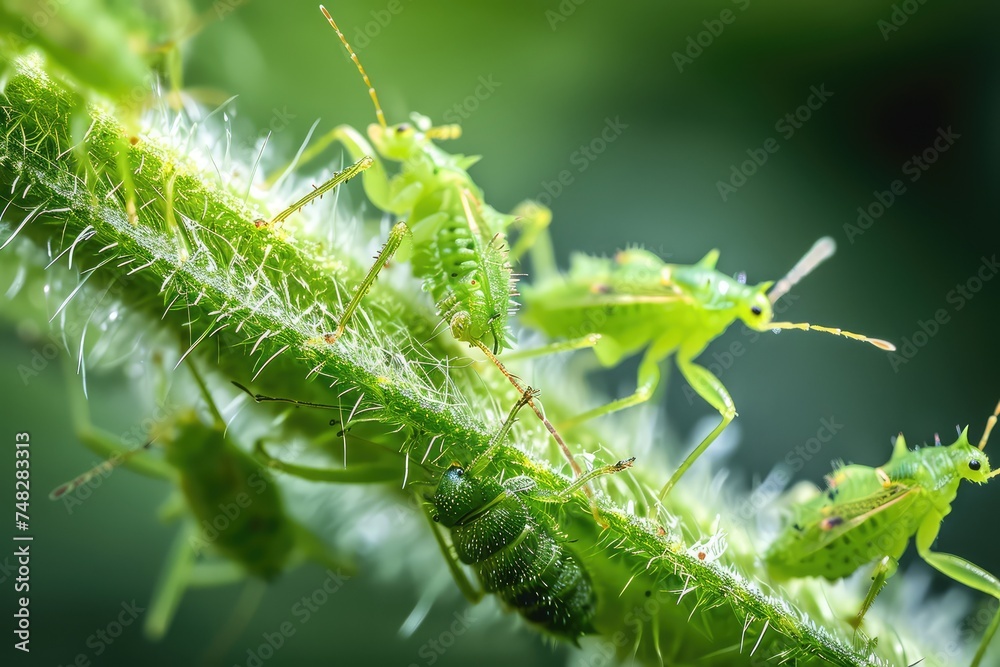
(520, 560)
(465, 273)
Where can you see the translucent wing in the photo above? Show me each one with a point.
(837, 517)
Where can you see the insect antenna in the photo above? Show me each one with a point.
(261, 398)
(102, 468)
(821, 251)
(805, 326)
(364, 74)
(990, 423)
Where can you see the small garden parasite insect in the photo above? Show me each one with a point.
(636, 301)
(458, 244)
(868, 515)
(500, 530)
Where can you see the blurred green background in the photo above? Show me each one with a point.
(558, 74)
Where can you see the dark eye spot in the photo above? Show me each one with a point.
(460, 472)
(403, 127)
(974, 464)
(436, 518)
(755, 310)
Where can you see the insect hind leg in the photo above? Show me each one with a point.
(715, 393)
(884, 569)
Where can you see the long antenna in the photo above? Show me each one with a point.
(805, 326)
(990, 423)
(364, 74)
(100, 469)
(821, 251)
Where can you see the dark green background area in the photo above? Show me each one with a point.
(655, 185)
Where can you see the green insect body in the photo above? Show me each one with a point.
(470, 280)
(459, 253)
(868, 515)
(216, 475)
(497, 529)
(235, 507)
(636, 301)
(515, 555)
(458, 242)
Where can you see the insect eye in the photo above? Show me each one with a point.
(436, 518)
(755, 310)
(401, 128)
(460, 472)
(974, 464)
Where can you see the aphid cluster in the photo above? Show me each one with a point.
(631, 303)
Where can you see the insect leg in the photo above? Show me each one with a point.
(649, 379)
(480, 462)
(961, 571)
(396, 236)
(310, 547)
(567, 493)
(528, 398)
(105, 445)
(375, 178)
(376, 473)
(885, 568)
(317, 192)
(469, 590)
(533, 219)
(590, 340)
(712, 390)
(172, 583)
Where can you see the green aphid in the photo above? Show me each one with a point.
(636, 302)
(510, 545)
(236, 509)
(868, 515)
(458, 243)
(500, 530)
